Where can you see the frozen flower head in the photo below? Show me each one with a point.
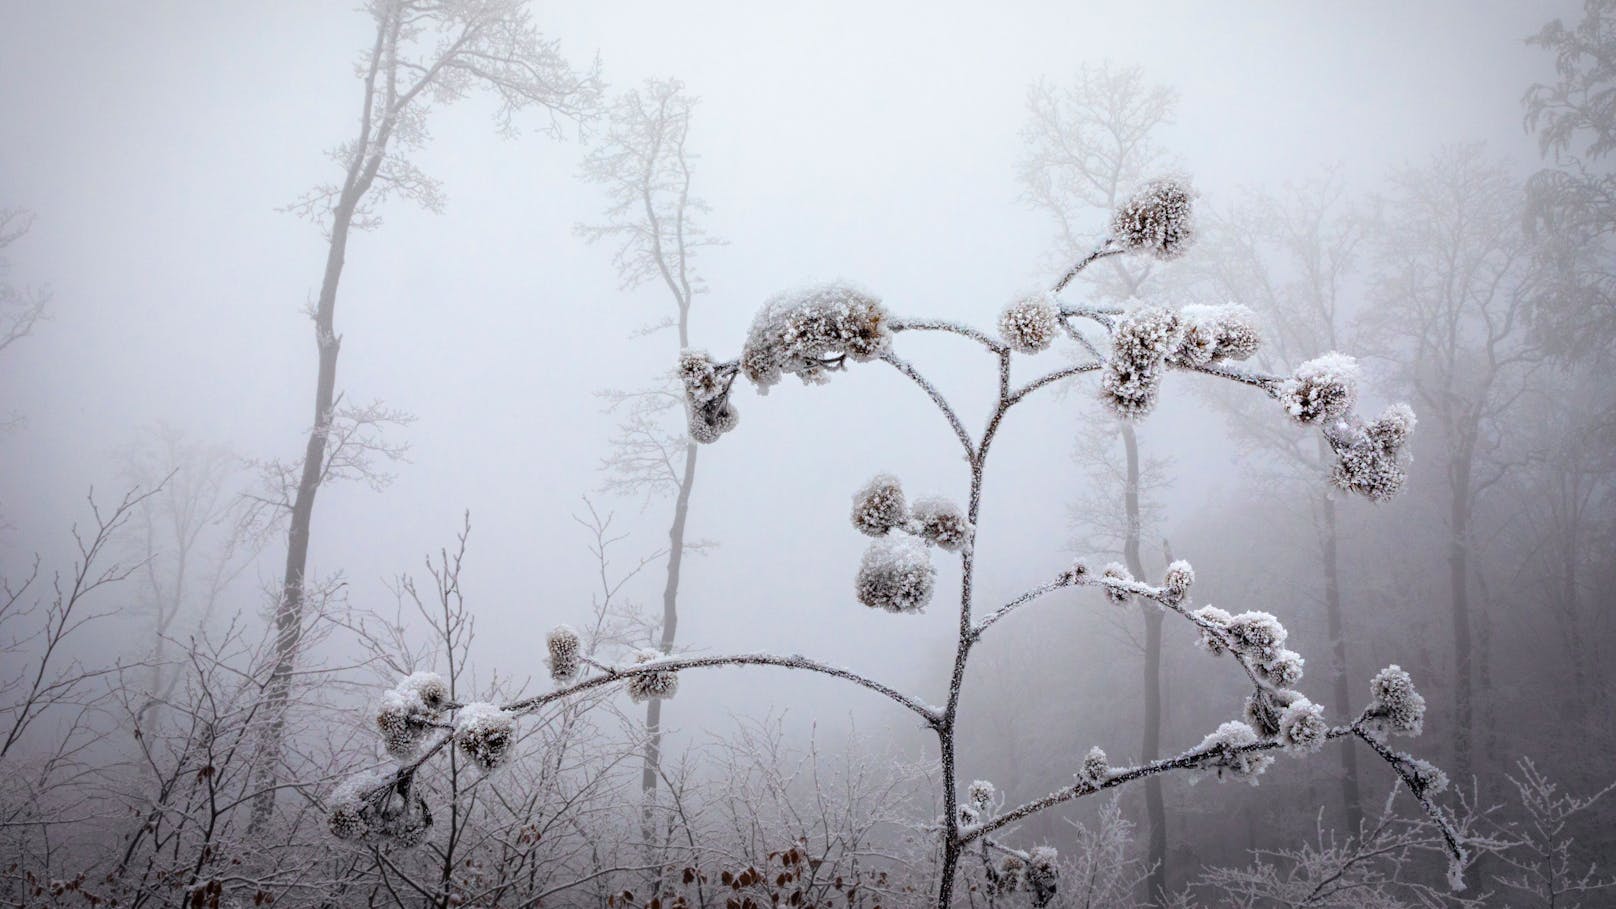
(1009, 873)
(351, 806)
(879, 506)
(1302, 727)
(1208, 333)
(981, 794)
(1115, 571)
(707, 405)
(1226, 752)
(1095, 766)
(429, 689)
(408, 710)
(1178, 580)
(647, 685)
(1140, 344)
(1042, 876)
(1030, 325)
(1156, 220)
(566, 653)
(486, 734)
(1370, 457)
(1322, 389)
(1263, 710)
(1257, 635)
(810, 332)
(1078, 573)
(1283, 668)
(969, 815)
(1395, 706)
(940, 522)
(1428, 778)
(896, 575)
(1214, 626)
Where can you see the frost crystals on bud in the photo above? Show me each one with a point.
(1395, 706)
(1180, 576)
(707, 404)
(1225, 756)
(1156, 220)
(1322, 389)
(981, 794)
(810, 333)
(1029, 326)
(879, 506)
(896, 575)
(942, 523)
(1042, 877)
(1370, 457)
(1115, 572)
(1302, 727)
(485, 734)
(1140, 345)
(1095, 767)
(1214, 625)
(408, 711)
(1227, 332)
(647, 685)
(566, 652)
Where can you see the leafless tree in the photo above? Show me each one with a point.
(21, 308)
(424, 52)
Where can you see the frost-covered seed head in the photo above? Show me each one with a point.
(1226, 756)
(485, 734)
(896, 575)
(1257, 635)
(1429, 777)
(1156, 220)
(806, 333)
(401, 729)
(566, 653)
(1391, 430)
(407, 711)
(1117, 572)
(1284, 668)
(1302, 727)
(430, 690)
(707, 406)
(1322, 389)
(1011, 869)
(1212, 639)
(1216, 333)
(1263, 710)
(981, 794)
(1140, 344)
(942, 523)
(1030, 326)
(1178, 580)
(879, 506)
(346, 823)
(348, 813)
(1042, 877)
(1095, 766)
(969, 816)
(1370, 457)
(645, 686)
(1395, 705)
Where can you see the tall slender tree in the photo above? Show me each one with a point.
(423, 52)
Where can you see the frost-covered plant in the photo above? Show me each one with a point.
(707, 405)
(1031, 325)
(812, 333)
(566, 653)
(485, 734)
(1370, 456)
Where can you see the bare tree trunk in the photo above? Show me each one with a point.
(1463, 645)
(670, 627)
(1150, 745)
(1342, 707)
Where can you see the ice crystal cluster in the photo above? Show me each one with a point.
(1030, 325)
(1148, 339)
(1322, 389)
(896, 573)
(942, 523)
(880, 506)
(408, 712)
(644, 686)
(1095, 767)
(485, 734)
(1156, 219)
(1117, 572)
(1042, 877)
(566, 653)
(707, 405)
(981, 794)
(1227, 754)
(1395, 706)
(366, 806)
(1370, 456)
(1279, 713)
(810, 332)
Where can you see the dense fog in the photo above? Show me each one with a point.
(483, 453)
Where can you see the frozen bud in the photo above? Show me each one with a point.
(430, 690)
(809, 333)
(405, 716)
(1030, 325)
(879, 506)
(1215, 333)
(1229, 750)
(485, 734)
(1095, 766)
(1322, 389)
(1214, 625)
(346, 823)
(942, 523)
(1140, 345)
(1264, 708)
(1010, 871)
(1283, 668)
(896, 575)
(1042, 876)
(969, 816)
(1365, 468)
(1302, 727)
(1115, 571)
(1395, 706)
(707, 405)
(349, 807)
(1257, 635)
(566, 653)
(1178, 580)
(1075, 574)
(1391, 430)
(647, 685)
(981, 794)
(1428, 778)
(1156, 220)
